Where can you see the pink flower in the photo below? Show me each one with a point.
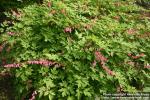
(102, 62)
(142, 54)
(100, 57)
(135, 57)
(94, 63)
(16, 13)
(41, 62)
(148, 66)
(12, 65)
(108, 71)
(63, 11)
(67, 30)
(131, 31)
(49, 4)
(129, 54)
(11, 33)
(33, 95)
(38, 62)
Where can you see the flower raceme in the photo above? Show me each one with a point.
(12, 65)
(38, 62)
(108, 70)
(136, 57)
(102, 59)
(41, 62)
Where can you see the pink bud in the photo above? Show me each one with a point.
(67, 30)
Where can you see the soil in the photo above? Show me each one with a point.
(6, 88)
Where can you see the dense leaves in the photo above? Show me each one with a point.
(77, 49)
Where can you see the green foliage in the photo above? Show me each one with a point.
(69, 32)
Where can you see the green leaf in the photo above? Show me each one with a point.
(52, 56)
